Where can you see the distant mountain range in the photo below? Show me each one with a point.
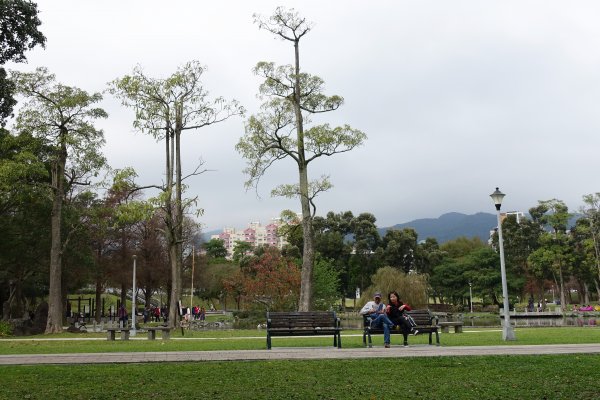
(447, 227)
(450, 226)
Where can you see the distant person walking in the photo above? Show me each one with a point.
(123, 316)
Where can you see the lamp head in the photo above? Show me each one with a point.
(497, 197)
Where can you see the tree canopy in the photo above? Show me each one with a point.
(19, 33)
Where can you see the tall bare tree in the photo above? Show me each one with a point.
(165, 108)
(278, 131)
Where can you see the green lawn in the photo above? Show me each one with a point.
(493, 377)
(255, 340)
(477, 377)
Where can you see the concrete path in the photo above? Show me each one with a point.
(305, 353)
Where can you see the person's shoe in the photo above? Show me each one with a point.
(387, 345)
(415, 332)
(405, 344)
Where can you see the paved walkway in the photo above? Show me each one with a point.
(305, 353)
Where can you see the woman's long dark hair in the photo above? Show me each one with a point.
(397, 298)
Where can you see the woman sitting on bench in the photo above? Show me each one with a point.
(395, 311)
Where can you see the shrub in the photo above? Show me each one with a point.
(248, 319)
(6, 329)
(411, 287)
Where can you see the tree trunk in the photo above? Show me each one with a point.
(98, 298)
(308, 254)
(174, 297)
(562, 289)
(55, 309)
(586, 295)
(148, 297)
(176, 245)
(123, 293)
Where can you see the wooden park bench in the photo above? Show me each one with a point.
(426, 323)
(458, 326)
(124, 333)
(308, 323)
(166, 332)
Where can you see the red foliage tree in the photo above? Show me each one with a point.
(269, 279)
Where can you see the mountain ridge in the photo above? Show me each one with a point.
(450, 226)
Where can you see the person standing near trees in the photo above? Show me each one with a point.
(396, 313)
(375, 310)
(123, 316)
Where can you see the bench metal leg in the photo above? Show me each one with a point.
(370, 341)
(268, 342)
(437, 339)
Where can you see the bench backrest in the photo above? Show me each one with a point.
(311, 319)
(421, 317)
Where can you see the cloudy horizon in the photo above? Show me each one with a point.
(456, 98)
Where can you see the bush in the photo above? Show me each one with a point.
(412, 288)
(6, 329)
(248, 319)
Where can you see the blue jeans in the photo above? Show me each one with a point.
(382, 319)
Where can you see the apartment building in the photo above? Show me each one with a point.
(255, 234)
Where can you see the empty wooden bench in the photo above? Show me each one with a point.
(458, 326)
(166, 332)
(426, 323)
(112, 331)
(307, 323)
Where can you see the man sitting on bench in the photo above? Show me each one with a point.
(375, 310)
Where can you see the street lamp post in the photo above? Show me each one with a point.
(507, 331)
(471, 296)
(133, 313)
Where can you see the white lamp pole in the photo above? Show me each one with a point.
(507, 331)
(471, 296)
(133, 300)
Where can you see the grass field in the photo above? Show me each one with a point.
(492, 377)
(477, 377)
(256, 340)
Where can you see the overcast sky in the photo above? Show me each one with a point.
(456, 97)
